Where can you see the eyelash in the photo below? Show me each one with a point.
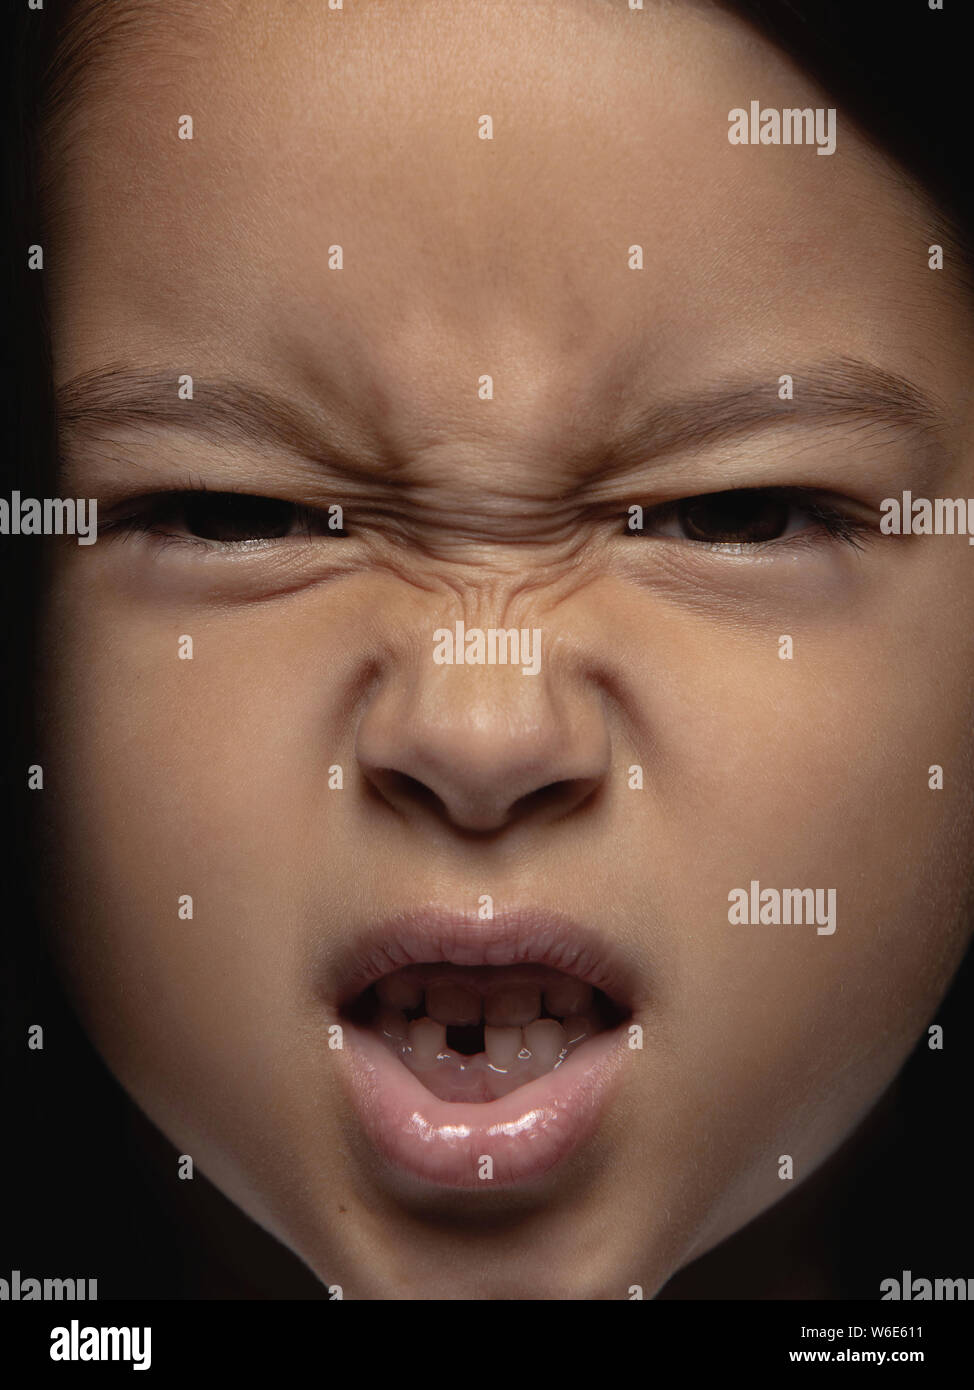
(827, 518)
(146, 514)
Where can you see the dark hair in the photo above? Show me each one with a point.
(80, 1198)
(900, 71)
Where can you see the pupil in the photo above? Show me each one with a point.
(229, 516)
(734, 516)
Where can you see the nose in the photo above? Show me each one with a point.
(484, 748)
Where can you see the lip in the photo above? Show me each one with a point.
(536, 1127)
(512, 937)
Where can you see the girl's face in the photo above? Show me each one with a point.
(485, 379)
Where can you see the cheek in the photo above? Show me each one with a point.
(202, 779)
(809, 773)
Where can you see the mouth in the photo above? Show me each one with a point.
(481, 1053)
(475, 1034)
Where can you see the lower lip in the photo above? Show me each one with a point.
(524, 1134)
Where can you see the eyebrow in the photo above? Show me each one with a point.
(221, 410)
(840, 390)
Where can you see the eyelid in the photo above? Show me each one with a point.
(145, 514)
(840, 518)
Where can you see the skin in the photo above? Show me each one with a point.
(209, 777)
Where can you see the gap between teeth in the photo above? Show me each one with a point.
(513, 1056)
(519, 1045)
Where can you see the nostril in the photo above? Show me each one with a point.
(483, 763)
(403, 792)
(484, 812)
(557, 798)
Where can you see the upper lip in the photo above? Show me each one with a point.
(513, 936)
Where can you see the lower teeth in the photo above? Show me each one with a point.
(541, 1047)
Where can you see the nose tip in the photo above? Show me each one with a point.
(484, 767)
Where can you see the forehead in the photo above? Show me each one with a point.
(463, 256)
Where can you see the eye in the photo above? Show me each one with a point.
(223, 518)
(751, 516)
(233, 516)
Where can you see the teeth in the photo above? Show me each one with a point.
(450, 1003)
(512, 1007)
(399, 992)
(518, 1047)
(393, 1024)
(427, 1039)
(567, 997)
(576, 1028)
(503, 1045)
(545, 1040)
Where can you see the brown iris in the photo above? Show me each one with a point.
(738, 516)
(235, 516)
